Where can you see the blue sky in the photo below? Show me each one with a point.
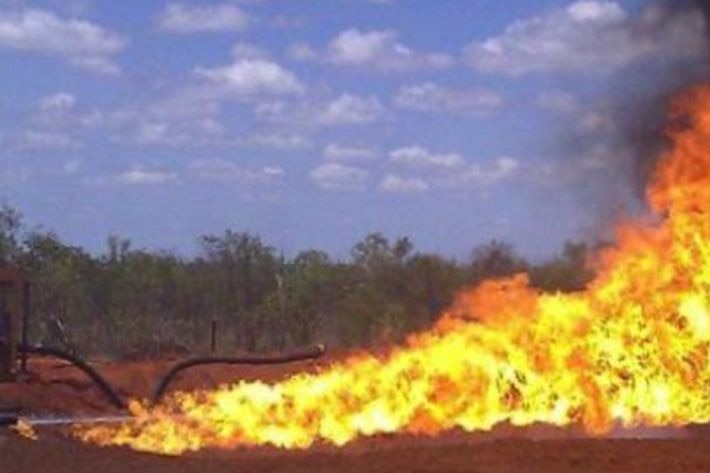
(314, 122)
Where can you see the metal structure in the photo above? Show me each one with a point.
(14, 314)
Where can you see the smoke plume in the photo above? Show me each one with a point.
(643, 115)
(676, 33)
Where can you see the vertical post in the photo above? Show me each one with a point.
(5, 338)
(213, 336)
(25, 325)
(9, 321)
(282, 309)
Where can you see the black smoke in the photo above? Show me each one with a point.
(642, 110)
(634, 105)
(606, 171)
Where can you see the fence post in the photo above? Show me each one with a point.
(213, 336)
(25, 325)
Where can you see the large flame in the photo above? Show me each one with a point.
(634, 348)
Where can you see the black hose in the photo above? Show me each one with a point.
(9, 418)
(98, 380)
(300, 355)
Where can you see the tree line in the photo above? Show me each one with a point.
(130, 302)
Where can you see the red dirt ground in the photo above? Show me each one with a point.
(60, 455)
(57, 388)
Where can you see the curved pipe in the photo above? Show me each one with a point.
(98, 380)
(300, 355)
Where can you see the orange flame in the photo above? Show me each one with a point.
(632, 349)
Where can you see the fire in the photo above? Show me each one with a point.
(633, 349)
(23, 429)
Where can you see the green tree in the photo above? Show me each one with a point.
(307, 295)
(432, 283)
(568, 272)
(10, 227)
(244, 275)
(375, 308)
(61, 278)
(495, 259)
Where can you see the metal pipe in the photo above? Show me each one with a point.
(301, 355)
(98, 380)
(9, 419)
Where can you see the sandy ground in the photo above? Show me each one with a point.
(55, 388)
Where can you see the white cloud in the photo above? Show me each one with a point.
(302, 52)
(273, 111)
(185, 19)
(403, 185)
(185, 118)
(57, 122)
(477, 175)
(352, 110)
(307, 115)
(222, 170)
(281, 141)
(336, 176)
(142, 176)
(57, 102)
(79, 42)
(446, 170)
(591, 161)
(336, 152)
(190, 115)
(380, 50)
(251, 77)
(58, 112)
(249, 51)
(595, 121)
(418, 157)
(272, 171)
(430, 97)
(155, 133)
(358, 48)
(94, 118)
(37, 140)
(596, 11)
(587, 35)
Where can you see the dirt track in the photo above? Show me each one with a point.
(386, 456)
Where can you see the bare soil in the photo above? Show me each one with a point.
(61, 455)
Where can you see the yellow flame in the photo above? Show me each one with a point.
(633, 348)
(23, 429)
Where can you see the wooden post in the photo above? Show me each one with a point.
(25, 325)
(5, 336)
(213, 336)
(12, 307)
